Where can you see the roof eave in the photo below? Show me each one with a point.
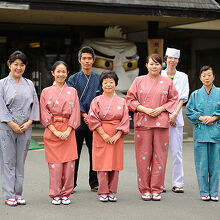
(125, 9)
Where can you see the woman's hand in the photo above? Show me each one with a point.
(149, 111)
(57, 133)
(54, 131)
(26, 125)
(208, 120)
(115, 138)
(173, 119)
(157, 111)
(145, 110)
(66, 133)
(15, 127)
(106, 137)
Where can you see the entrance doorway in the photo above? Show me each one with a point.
(209, 57)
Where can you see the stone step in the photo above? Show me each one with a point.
(185, 135)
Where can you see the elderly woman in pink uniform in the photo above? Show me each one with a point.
(108, 119)
(152, 98)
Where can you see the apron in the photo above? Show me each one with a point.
(108, 157)
(57, 150)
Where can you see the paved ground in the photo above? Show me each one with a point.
(85, 204)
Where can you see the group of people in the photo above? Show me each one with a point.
(87, 108)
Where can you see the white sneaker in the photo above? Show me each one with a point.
(156, 197)
(205, 198)
(66, 200)
(146, 196)
(21, 201)
(56, 201)
(112, 197)
(103, 198)
(215, 199)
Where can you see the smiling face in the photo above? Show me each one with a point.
(17, 68)
(108, 86)
(207, 77)
(172, 62)
(60, 73)
(154, 68)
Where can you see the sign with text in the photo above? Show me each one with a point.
(155, 46)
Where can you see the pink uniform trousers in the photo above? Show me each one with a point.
(151, 147)
(108, 181)
(61, 179)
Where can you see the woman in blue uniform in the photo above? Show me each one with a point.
(203, 110)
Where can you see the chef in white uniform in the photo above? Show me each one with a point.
(181, 83)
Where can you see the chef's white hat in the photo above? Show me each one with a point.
(172, 52)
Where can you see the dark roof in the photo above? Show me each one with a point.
(191, 4)
(179, 8)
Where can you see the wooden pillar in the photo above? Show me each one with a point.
(153, 29)
(74, 48)
(155, 43)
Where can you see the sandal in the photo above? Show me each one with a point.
(156, 197)
(56, 201)
(146, 196)
(11, 202)
(20, 201)
(205, 198)
(66, 200)
(103, 198)
(112, 197)
(215, 199)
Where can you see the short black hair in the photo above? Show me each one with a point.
(86, 49)
(17, 55)
(108, 74)
(205, 68)
(57, 64)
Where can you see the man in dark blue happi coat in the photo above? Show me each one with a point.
(87, 85)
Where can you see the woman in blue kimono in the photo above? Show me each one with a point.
(203, 110)
(18, 109)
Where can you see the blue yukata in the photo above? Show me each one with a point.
(18, 103)
(88, 87)
(206, 138)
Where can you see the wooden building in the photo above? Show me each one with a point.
(50, 30)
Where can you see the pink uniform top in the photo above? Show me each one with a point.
(152, 94)
(105, 109)
(60, 107)
(60, 101)
(112, 115)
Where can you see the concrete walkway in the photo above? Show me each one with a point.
(86, 206)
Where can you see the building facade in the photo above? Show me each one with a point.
(52, 30)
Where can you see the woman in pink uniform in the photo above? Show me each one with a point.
(60, 114)
(151, 98)
(108, 119)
